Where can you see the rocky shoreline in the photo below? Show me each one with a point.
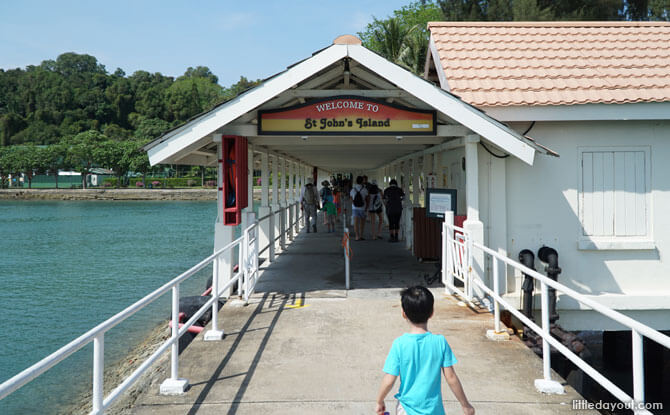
(118, 371)
(107, 194)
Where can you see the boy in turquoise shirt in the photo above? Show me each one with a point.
(418, 357)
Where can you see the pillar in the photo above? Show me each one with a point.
(283, 217)
(223, 235)
(291, 199)
(407, 204)
(264, 209)
(472, 224)
(275, 201)
(427, 169)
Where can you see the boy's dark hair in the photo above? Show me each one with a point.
(393, 182)
(359, 180)
(417, 303)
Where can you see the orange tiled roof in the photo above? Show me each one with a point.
(555, 63)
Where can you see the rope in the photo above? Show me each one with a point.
(346, 245)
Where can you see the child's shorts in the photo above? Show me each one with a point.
(399, 410)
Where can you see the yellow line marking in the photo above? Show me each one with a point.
(298, 304)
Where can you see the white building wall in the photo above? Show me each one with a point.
(543, 209)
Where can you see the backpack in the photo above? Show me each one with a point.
(358, 199)
(310, 196)
(376, 202)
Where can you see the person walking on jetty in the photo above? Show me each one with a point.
(330, 212)
(360, 199)
(375, 210)
(393, 197)
(310, 204)
(326, 195)
(418, 357)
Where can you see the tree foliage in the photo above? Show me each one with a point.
(74, 93)
(403, 37)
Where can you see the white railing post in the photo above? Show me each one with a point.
(447, 245)
(497, 333)
(496, 290)
(174, 385)
(297, 217)
(468, 271)
(214, 333)
(255, 258)
(347, 269)
(546, 384)
(289, 228)
(638, 369)
(546, 350)
(247, 255)
(271, 249)
(98, 372)
(242, 262)
(282, 228)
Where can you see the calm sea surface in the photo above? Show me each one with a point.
(67, 266)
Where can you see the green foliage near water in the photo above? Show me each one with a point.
(403, 37)
(70, 113)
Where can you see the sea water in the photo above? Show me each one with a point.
(67, 266)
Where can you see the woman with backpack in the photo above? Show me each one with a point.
(359, 202)
(375, 209)
(326, 194)
(393, 196)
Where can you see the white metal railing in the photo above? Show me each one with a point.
(639, 330)
(246, 278)
(346, 245)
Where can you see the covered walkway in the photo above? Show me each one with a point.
(304, 345)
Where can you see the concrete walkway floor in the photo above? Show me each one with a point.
(304, 345)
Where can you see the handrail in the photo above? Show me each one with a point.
(638, 329)
(621, 318)
(25, 376)
(247, 267)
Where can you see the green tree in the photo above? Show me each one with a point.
(51, 159)
(200, 72)
(81, 151)
(114, 155)
(24, 159)
(403, 38)
(139, 161)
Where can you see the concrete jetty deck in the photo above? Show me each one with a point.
(304, 345)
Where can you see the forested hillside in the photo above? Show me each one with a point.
(58, 98)
(71, 113)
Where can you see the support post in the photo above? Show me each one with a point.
(472, 224)
(264, 209)
(638, 369)
(174, 385)
(214, 334)
(98, 373)
(546, 384)
(275, 204)
(223, 235)
(406, 212)
(497, 333)
(447, 261)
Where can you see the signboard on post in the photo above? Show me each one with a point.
(439, 201)
(346, 115)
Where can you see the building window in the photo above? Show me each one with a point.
(614, 192)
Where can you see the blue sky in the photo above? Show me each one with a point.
(252, 38)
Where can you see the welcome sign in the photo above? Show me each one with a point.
(346, 115)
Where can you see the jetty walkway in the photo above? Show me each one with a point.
(304, 345)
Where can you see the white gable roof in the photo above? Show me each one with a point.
(197, 132)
